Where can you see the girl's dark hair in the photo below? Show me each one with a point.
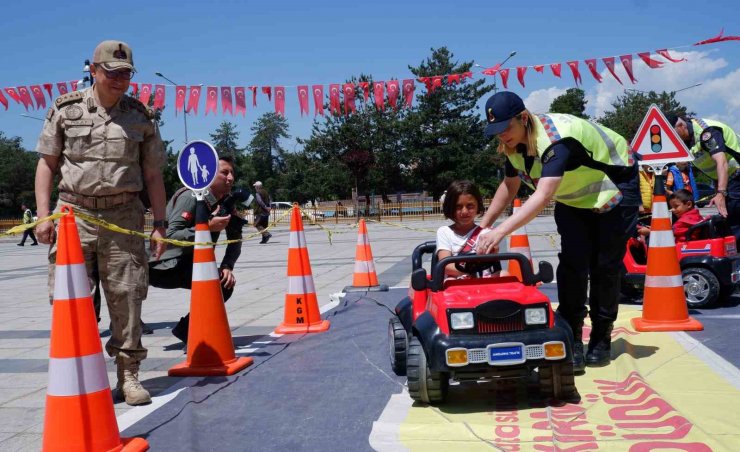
(457, 188)
(682, 195)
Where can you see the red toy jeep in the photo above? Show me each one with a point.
(709, 264)
(479, 328)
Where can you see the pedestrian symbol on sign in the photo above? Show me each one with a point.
(196, 165)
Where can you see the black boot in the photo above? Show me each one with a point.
(180, 330)
(579, 364)
(600, 344)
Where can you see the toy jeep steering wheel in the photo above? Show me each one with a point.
(470, 267)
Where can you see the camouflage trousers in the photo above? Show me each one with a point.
(120, 261)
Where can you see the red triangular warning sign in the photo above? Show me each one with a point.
(657, 142)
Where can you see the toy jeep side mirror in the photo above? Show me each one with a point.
(419, 279)
(546, 274)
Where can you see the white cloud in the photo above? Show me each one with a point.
(539, 101)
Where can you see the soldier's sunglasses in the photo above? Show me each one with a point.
(118, 75)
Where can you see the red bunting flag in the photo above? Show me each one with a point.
(504, 77)
(159, 95)
(664, 53)
(73, 84)
(393, 93)
(349, 98)
(436, 82)
(427, 83)
(627, 64)
(48, 87)
(280, 100)
(573, 65)
(365, 86)
(3, 100)
(555, 68)
(241, 100)
(146, 93)
(62, 88)
(211, 99)
(318, 100)
(25, 97)
(408, 92)
(591, 63)
(609, 63)
(303, 99)
(267, 91)
(179, 98)
(38, 95)
(194, 99)
(718, 38)
(134, 89)
(13, 95)
(520, 71)
(334, 99)
(492, 70)
(227, 103)
(453, 79)
(465, 75)
(378, 94)
(539, 68)
(253, 89)
(652, 64)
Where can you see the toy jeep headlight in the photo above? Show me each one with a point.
(461, 320)
(535, 316)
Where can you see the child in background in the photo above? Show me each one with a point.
(682, 206)
(462, 204)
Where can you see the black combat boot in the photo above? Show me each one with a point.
(579, 364)
(600, 344)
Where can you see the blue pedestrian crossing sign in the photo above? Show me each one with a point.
(197, 165)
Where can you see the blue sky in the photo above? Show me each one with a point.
(240, 43)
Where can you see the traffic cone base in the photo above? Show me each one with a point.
(689, 324)
(320, 327)
(210, 345)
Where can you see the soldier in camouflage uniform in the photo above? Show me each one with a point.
(106, 148)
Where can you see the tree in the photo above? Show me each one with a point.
(631, 107)
(267, 154)
(225, 140)
(572, 102)
(16, 175)
(444, 134)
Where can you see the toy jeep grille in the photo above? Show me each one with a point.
(499, 316)
(513, 322)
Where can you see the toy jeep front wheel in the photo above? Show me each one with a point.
(424, 385)
(398, 342)
(700, 286)
(558, 382)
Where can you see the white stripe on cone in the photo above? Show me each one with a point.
(362, 239)
(77, 376)
(297, 239)
(205, 271)
(298, 285)
(663, 281)
(660, 210)
(364, 266)
(70, 282)
(202, 237)
(662, 239)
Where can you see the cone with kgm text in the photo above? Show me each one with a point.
(210, 345)
(664, 303)
(364, 278)
(519, 243)
(301, 307)
(79, 405)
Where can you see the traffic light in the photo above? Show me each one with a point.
(655, 139)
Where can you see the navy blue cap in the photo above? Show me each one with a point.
(500, 109)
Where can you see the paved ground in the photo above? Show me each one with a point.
(254, 311)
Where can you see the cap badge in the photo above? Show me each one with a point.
(489, 113)
(120, 53)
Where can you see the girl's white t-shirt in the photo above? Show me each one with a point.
(448, 240)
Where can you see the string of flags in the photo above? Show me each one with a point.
(342, 97)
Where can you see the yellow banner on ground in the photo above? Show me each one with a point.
(656, 395)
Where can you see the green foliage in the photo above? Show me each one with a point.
(225, 138)
(266, 152)
(572, 102)
(16, 176)
(631, 107)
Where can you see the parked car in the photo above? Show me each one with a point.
(279, 207)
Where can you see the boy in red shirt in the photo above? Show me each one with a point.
(682, 206)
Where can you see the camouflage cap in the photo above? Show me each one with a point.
(114, 55)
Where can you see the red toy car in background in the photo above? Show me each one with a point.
(708, 258)
(479, 328)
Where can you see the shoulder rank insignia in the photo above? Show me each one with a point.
(69, 98)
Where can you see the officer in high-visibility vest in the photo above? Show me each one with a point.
(589, 171)
(716, 150)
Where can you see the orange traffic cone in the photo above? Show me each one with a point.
(210, 346)
(364, 278)
(79, 405)
(301, 308)
(664, 305)
(519, 243)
